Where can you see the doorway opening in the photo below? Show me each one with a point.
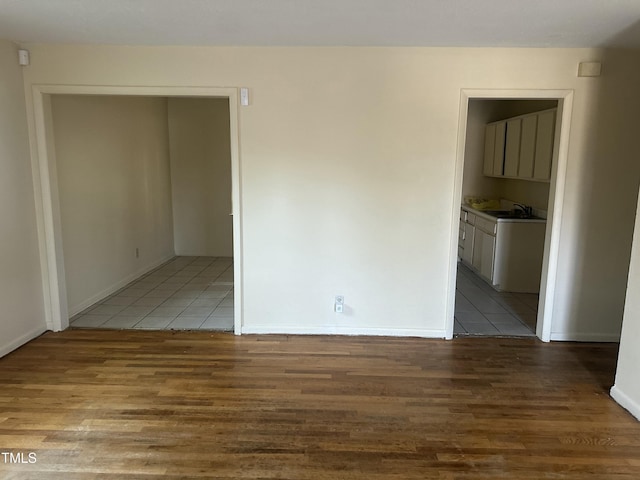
(141, 206)
(509, 191)
(155, 173)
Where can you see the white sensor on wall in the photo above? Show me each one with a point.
(338, 304)
(23, 57)
(244, 97)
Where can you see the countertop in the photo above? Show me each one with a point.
(493, 218)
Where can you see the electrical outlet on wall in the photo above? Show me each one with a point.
(338, 304)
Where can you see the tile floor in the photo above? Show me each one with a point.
(482, 311)
(186, 293)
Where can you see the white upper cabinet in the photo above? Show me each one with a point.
(498, 153)
(512, 148)
(527, 146)
(521, 147)
(494, 139)
(489, 148)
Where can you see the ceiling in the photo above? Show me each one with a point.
(454, 23)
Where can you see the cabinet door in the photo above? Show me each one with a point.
(498, 151)
(489, 146)
(544, 145)
(488, 252)
(527, 146)
(469, 233)
(512, 148)
(484, 247)
(476, 256)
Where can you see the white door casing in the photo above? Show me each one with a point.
(556, 198)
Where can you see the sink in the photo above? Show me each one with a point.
(497, 213)
(517, 215)
(508, 214)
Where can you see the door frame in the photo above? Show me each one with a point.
(47, 196)
(556, 197)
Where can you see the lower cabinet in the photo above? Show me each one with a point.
(484, 248)
(506, 254)
(468, 242)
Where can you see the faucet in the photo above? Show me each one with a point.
(526, 210)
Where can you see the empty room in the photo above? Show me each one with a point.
(319, 239)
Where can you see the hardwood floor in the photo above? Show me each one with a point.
(100, 404)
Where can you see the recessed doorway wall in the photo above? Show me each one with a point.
(142, 179)
(480, 309)
(555, 204)
(55, 281)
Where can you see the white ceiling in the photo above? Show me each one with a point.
(508, 23)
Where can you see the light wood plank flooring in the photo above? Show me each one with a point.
(105, 404)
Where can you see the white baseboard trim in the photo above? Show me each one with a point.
(204, 254)
(585, 337)
(625, 401)
(21, 340)
(387, 332)
(74, 310)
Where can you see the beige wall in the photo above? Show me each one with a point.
(21, 300)
(200, 153)
(626, 78)
(602, 195)
(348, 171)
(113, 180)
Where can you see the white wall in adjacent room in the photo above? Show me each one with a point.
(200, 153)
(112, 161)
(474, 182)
